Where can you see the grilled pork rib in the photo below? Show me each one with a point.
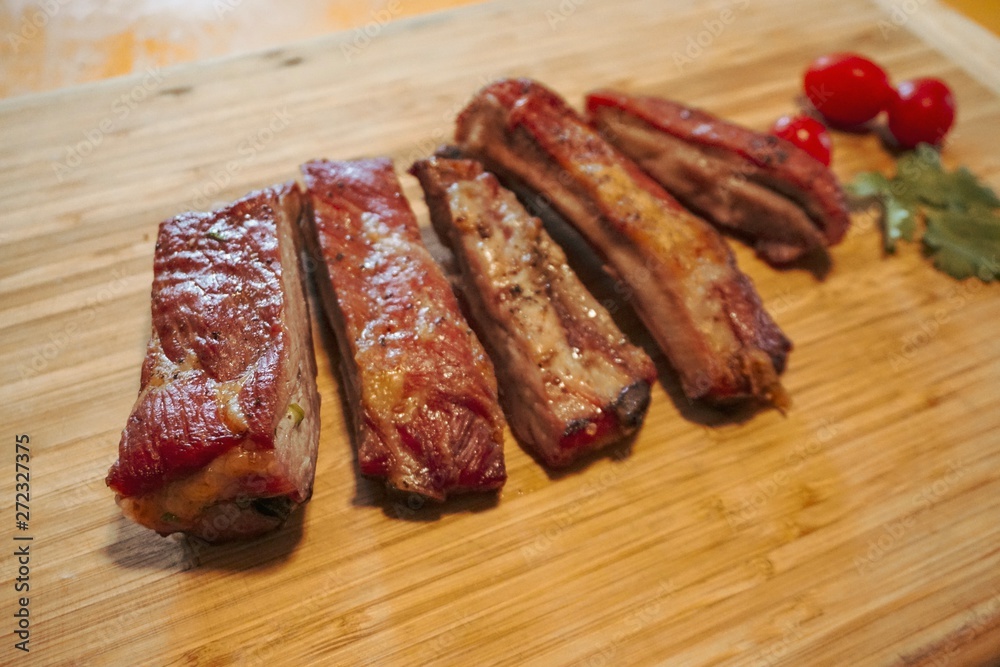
(570, 381)
(422, 388)
(222, 440)
(756, 185)
(680, 275)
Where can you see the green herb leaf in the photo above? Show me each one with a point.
(919, 178)
(900, 222)
(962, 215)
(969, 190)
(898, 215)
(868, 184)
(965, 243)
(212, 234)
(169, 517)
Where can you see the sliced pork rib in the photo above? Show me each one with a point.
(222, 440)
(761, 187)
(570, 381)
(677, 271)
(422, 389)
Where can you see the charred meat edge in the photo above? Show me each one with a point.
(251, 486)
(570, 381)
(422, 390)
(679, 273)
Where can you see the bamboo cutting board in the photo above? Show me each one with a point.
(862, 528)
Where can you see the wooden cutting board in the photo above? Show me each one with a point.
(862, 528)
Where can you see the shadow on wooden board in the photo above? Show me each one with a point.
(135, 547)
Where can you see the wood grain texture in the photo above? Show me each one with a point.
(862, 528)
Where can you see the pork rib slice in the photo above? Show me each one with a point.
(678, 272)
(423, 391)
(569, 379)
(763, 188)
(222, 439)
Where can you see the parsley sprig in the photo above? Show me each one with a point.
(960, 214)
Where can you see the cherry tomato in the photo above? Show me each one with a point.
(846, 88)
(807, 133)
(923, 110)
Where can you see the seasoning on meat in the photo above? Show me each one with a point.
(570, 380)
(677, 271)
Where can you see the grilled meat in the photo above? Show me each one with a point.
(570, 381)
(679, 273)
(422, 389)
(761, 187)
(222, 440)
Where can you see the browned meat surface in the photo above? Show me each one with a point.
(570, 381)
(679, 273)
(422, 389)
(222, 440)
(763, 188)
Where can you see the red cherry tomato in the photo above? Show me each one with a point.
(807, 133)
(846, 88)
(923, 110)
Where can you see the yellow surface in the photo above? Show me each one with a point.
(860, 529)
(984, 12)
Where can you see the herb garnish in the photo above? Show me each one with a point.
(962, 216)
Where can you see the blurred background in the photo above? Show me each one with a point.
(50, 44)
